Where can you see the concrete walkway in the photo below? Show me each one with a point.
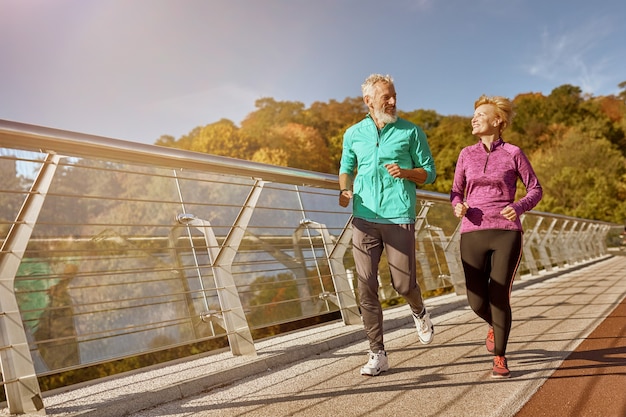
(315, 372)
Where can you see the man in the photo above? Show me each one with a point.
(383, 159)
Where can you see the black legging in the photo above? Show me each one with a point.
(490, 260)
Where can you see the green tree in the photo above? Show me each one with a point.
(622, 94)
(13, 191)
(275, 299)
(426, 119)
(582, 177)
(563, 104)
(530, 123)
(221, 138)
(446, 139)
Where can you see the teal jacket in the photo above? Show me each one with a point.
(378, 197)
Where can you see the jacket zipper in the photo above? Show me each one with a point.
(378, 132)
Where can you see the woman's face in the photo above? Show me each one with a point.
(485, 122)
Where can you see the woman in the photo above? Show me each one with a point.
(483, 195)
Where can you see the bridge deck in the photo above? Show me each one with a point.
(315, 372)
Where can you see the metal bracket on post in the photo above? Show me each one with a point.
(344, 296)
(234, 319)
(18, 370)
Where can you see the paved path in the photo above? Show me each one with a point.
(316, 372)
(592, 380)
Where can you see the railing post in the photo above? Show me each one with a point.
(558, 245)
(421, 223)
(547, 237)
(571, 252)
(18, 370)
(452, 252)
(344, 289)
(579, 253)
(544, 259)
(529, 258)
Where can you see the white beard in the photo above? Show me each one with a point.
(385, 118)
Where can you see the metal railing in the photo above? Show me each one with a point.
(112, 249)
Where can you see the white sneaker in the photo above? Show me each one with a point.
(425, 328)
(376, 364)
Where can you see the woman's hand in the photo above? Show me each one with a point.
(460, 209)
(509, 213)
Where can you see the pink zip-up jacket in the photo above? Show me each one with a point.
(487, 181)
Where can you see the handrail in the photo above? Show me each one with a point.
(41, 139)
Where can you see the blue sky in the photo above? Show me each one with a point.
(139, 69)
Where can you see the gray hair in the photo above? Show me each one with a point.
(367, 86)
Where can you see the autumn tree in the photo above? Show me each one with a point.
(286, 133)
(272, 156)
(268, 114)
(296, 146)
(331, 120)
(167, 141)
(334, 117)
(598, 120)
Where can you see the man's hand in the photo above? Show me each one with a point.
(416, 175)
(344, 198)
(394, 170)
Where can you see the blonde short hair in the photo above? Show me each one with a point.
(370, 81)
(504, 108)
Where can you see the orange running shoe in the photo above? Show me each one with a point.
(500, 369)
(490, 341)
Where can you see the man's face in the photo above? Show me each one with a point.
(382, 103)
